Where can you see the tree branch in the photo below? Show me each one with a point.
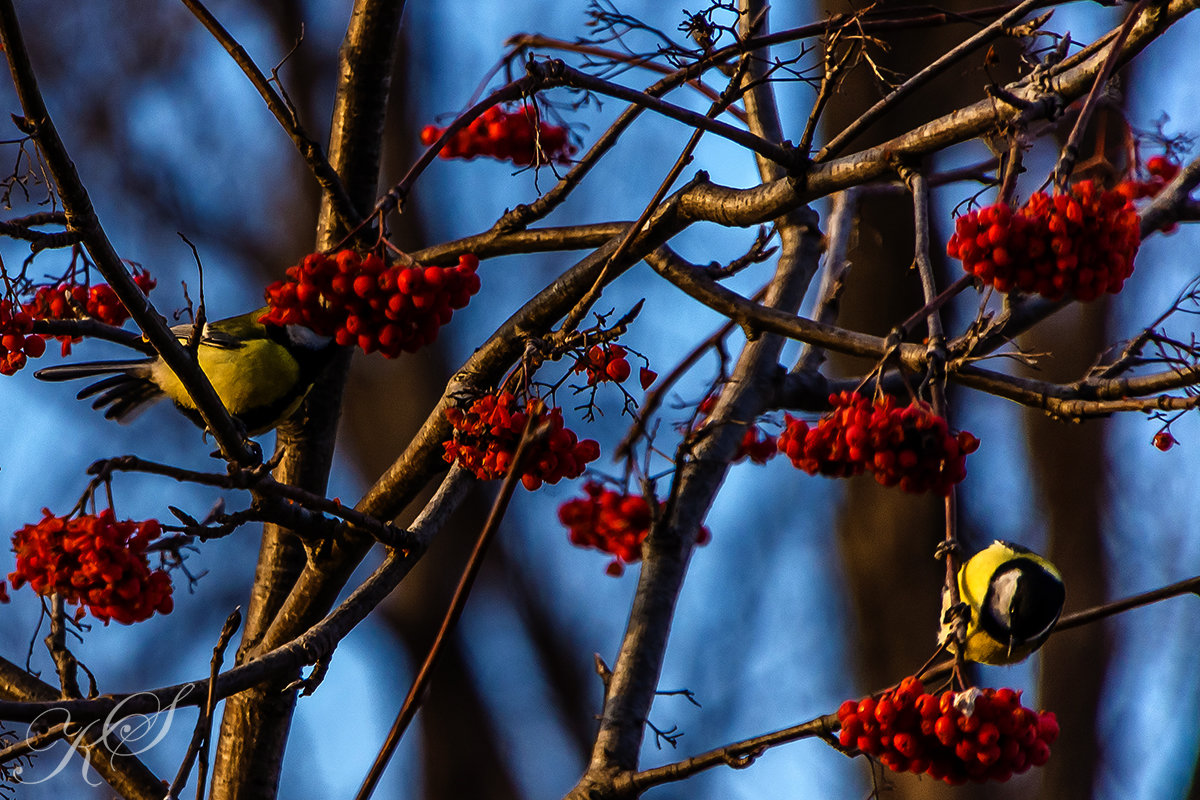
(285, 114)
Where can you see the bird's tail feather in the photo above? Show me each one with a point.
(127, 392)
(89, 369)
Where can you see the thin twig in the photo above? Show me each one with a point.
(1070, 151)
(328, 179)
(1095, 614)
(523, 41)
(262, 484)
(737, 755)
(956, 622)
(313, 644)
(960, 51)
(35, 743)
(202, 733)
(581, 308)
(655, 397)
(93, 329)
(547, 75)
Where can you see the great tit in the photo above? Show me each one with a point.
(260, 372)
(1015, 598)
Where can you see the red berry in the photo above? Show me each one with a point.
(988, 735)
(1089, 226)
(946, 730)
(885, 711)
(1164, 441)
(487, 433)
(363, 301)
(618, 369)
(1047, 727)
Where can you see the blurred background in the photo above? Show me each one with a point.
(811, 591)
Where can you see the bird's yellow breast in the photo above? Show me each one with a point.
(256, 374)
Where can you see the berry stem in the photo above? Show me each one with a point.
(936, 380)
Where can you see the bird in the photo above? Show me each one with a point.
(1015, 598)
(260, 371)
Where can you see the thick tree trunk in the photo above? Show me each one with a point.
(887, 537)
(254, 730)
(1067, 465)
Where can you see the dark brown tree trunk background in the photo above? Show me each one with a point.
(888, 538)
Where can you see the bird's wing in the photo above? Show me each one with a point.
(228, 333)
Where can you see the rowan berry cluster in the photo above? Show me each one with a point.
(96, 562)
(1161, 170)
(18, 343)
(977, 735)
(603, 362)
(67, 300)
(612, 522)
(756, 444)
(486, 435)
(362, 301)
(519, 136)
(74, 301)
(906, 446)
(1078, 245)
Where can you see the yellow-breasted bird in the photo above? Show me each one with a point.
(1015, 598)
(260, 372)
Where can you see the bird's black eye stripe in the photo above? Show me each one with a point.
(1038, 605)
(1031, 612)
